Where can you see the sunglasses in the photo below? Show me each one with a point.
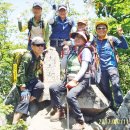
(39, 45)
(101, 28)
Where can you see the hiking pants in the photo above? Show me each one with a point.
(113, 76)
(35, 88)
(57, 89)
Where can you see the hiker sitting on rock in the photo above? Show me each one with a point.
(36, 25)
(77, 63)
(106, 47)
(30, 87)
(61, 27)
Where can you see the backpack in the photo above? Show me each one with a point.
(17, 57)
(94, 69)
(30, 24)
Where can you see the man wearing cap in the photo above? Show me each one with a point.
(36, 25)
(61, 27)
(77, 64)
(109, 68)
(30, 87)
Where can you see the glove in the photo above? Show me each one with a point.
(71, 84)
(70, 21)
(66, 50)
(54, 7)
(25, 95)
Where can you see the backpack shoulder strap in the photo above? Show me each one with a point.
(42, 23)
(30, 23)
(110, 39)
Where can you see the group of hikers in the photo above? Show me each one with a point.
(77, 57)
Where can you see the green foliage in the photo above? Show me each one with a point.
(6, 66)
(117, 13)
(6, 110)
(5, 48)
(19, 126)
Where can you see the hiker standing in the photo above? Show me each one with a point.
(36, 25)
(82, 24)
(61, 27)
(109, 67)
(77, 63)
(29, 85)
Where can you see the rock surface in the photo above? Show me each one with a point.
(92, 101)
(109, 120)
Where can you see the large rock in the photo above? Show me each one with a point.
(124, 110)
(91, 101)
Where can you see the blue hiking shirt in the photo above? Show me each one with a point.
(106, 52)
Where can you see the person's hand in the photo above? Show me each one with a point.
(120, 31)
(54, 7)
(66, 49)
(25, 95)
(71, 84)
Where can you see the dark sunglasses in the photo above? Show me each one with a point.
(38, 45)
(101, 28)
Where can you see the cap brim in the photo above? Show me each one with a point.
(101, 23)
(73, 35)
(82, 22)
(62, 8)
(37, 6)
(38, 43)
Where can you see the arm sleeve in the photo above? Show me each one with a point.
(83, 69)
(74, 27)
(86, 59)
(120, 43)
(46, 32)
(51, 16)
(22, 70)
(22, 28)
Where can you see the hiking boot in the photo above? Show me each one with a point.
(57, 115)
(78, 126)
(53, 111)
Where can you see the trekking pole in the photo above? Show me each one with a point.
(67, 112)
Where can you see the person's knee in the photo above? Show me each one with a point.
(53, 88)
(70, 97)
(40, 85)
